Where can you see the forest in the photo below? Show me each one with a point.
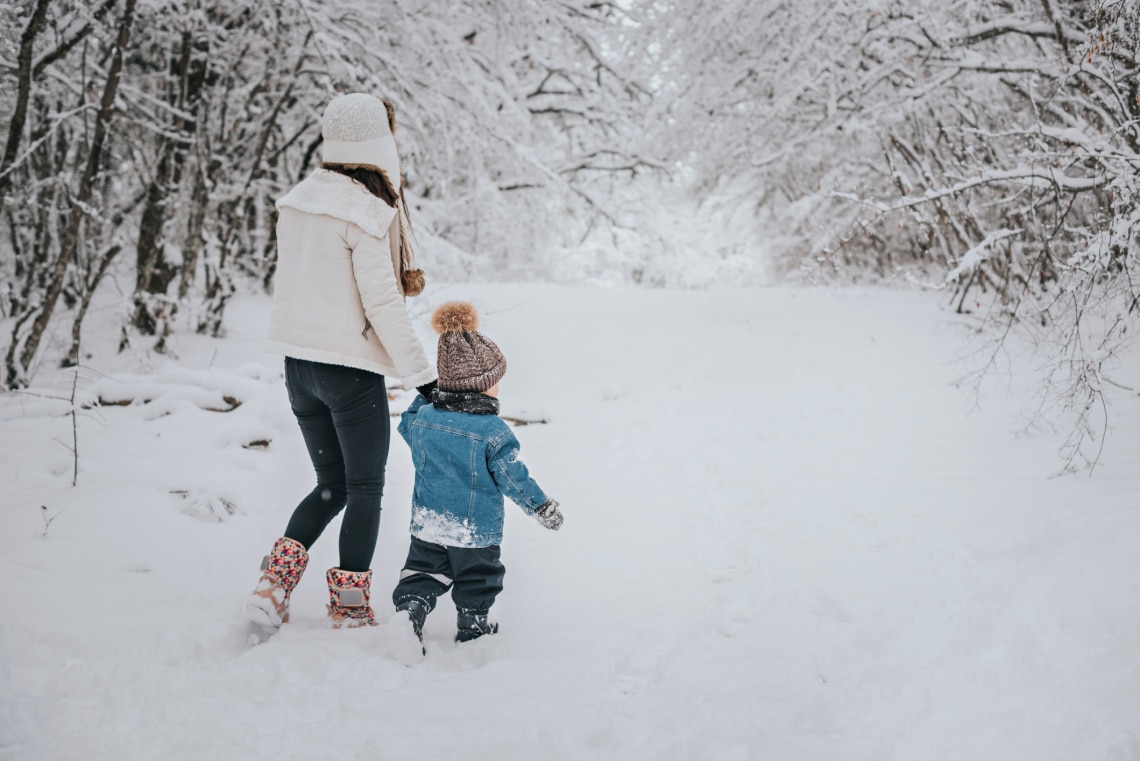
(986, 150)
(821, 319)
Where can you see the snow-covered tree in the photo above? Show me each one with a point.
(989, 148)
(1016, 181)
(515, 122)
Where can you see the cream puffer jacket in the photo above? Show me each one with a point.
(337, 298)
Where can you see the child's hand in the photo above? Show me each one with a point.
(548, 515)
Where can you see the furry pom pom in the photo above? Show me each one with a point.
(454, 316)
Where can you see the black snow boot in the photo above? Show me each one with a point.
(416, 611)
(473, 624)
(406, 632)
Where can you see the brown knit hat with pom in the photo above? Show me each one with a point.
(467, 360)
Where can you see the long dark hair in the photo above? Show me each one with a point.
(374, 180)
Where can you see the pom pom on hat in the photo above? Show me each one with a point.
(467, 360)
(454, 316)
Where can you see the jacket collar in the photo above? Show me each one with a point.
(334, 195)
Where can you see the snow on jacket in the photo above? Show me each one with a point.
(465, 464)
(336, 296)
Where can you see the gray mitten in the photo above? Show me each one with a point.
(548, 515)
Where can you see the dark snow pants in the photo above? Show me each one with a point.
(343, 415)
(473, 574)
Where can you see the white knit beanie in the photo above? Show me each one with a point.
(356, 132)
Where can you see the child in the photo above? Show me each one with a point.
(466, 460)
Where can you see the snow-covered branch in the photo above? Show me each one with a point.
(974, 258)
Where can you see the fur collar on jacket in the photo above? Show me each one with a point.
(334, 195)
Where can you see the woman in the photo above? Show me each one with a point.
(340, 319)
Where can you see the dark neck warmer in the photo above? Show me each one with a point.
(472, 402)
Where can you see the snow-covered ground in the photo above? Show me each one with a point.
(788, 536)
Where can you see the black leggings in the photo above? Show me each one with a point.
(343, 415)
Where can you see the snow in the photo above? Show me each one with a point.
(441, 529)
(788, 535)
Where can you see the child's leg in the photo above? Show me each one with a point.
(477, 573)
(426, 575)
(478, 577)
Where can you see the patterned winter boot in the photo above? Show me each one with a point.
(281, 569)
(406, 631)
(349, 598)
(473, 624)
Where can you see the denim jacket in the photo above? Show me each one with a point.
(465, 464)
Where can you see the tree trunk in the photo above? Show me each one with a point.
(17, 374)
(23, 93)
(89, 286)
(155, 274)
(199, 204)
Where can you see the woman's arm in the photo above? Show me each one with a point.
(385, 307)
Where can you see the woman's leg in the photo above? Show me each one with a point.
(327, 498)
(343, 415)
(363, 428)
